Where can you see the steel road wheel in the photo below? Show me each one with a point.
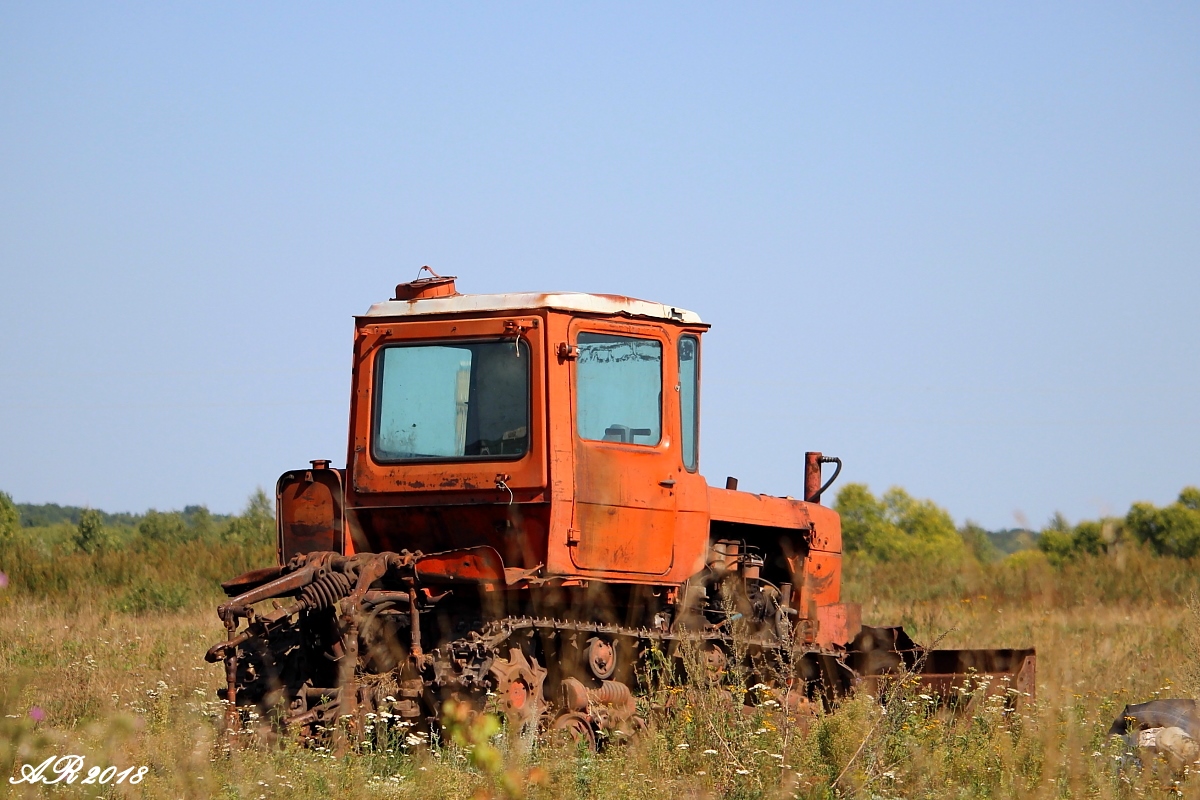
(576, 727)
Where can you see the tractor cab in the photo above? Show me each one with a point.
(561, 429)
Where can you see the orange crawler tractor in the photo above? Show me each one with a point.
(522, 521)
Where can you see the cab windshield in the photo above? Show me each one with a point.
(452, 401)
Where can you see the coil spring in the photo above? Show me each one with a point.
(612, 693)
(325, 590)
(617, 697)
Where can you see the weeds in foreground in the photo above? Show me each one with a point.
(124, 684)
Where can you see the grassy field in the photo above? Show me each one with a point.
(101, 656)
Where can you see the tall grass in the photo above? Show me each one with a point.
(1131, 575)
(187, 571)
(108, 646)
(166, 562)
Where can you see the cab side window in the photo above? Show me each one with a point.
(619, 389)
(689, 399)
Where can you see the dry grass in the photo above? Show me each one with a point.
(131, 689)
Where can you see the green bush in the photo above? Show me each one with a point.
(256, 525)
(200, 522)
(897, 526)
(167, 526)
(10, 519)
(1057, 545)
(90, 535)
(1172, 530)
(146, 595)
(979, 543)
(1061, 541)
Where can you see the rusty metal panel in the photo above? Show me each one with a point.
(473, 565)
(309, 518)
(517, 532)
(820, 580)
(621, 539)
(251, 580)
(730, 505)
(838, 623)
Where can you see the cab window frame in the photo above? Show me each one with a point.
(692, 431)
(378, 363)
(639, 336)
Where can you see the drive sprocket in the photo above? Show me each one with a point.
(518, 686)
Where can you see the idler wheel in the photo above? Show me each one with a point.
(576, 728)
(715, 659)
(601, 658)
(518, 688)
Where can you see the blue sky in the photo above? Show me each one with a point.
(957, 246)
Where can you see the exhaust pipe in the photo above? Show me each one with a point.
(813, 488)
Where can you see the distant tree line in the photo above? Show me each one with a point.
(1172, 530)
(93, 531)
(898, 527)
(47, 514)
(138, 563)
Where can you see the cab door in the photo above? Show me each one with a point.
(626, 464)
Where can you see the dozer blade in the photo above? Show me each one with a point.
(881, 656)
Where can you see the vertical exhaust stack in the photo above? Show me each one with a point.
(813, 488)
(812, 477)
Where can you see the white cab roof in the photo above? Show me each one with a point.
(562, 301)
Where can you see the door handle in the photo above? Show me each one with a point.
(669, 482)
